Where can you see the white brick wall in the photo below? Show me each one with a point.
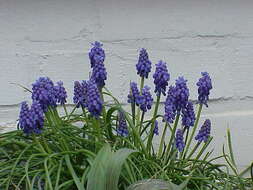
(52, 38)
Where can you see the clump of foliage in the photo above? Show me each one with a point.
(99, 145)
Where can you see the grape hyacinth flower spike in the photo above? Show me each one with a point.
(143, 66)
(31, 121)
(134, 96)
(94, 103)
(180, 94)
(188, 115)
(177, 99)
(80, 92)
(61, 93)
(204, 86)
(170, 108)
(180, 140)
(43, 91)
(97, 57)
(99, 74)
(147, 99)
(161, 78)
(204, 131)
(96, 54)
(122, 129)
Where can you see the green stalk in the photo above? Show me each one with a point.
(142, 118)
(194, 129)
(172, 136)
(66, 111)
(162, 140)
(133, 112)
(139, 111)
(193, 150)
(151, 132)
(38, 143)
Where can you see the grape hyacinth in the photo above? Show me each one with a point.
(31, 120)
(170, 109)
(161, 77)
(94, 103)
(134, 94)
(204, 131)
(61, 93)
(181, 94)
(188, 115)
(99, 74)
(44, 92)
(204, 86)
(122, 125)
(96, 54)
(156, 130)
(180, 140)
(79, 94)
(147, 99)
(144, 65)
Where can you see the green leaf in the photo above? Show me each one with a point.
(97, 174)
(72, 171)
(114, 167)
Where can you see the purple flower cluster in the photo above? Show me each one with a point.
(122, 125)
(96, 54)
(180, 140)
(80, 91)
(93, 102)
(86, 94)
(156, 130)
(170, 108)
(188, 115)
(180, 94)
(204, 131)
(147, 99)
(61, 93)
(44, 91)
(161, 77)
(204, 86)
(144, 65)
(31, 120)
(177, 99)
(97, 57)
(134, 94)
(99, 74)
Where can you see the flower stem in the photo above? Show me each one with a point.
(151, 132)
(162, 140)
(172, 137)
(142, 118)
(194, 129)
(65, 109)
(139, 111)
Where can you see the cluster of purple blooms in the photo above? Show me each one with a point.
(31, 120)
(44, 95)
(180, 140)
(188, 115)
(144, 64)
(87, 95)
(97, 57)
(161, 78)
(146, 99)
(204, 131)
(134, 96)
(204, 86)
(122, 125)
